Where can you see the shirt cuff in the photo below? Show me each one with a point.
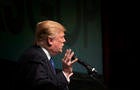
(68, 79)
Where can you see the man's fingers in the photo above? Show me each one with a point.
(70, 74)
(75, 60)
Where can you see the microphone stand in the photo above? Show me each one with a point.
(94, 75)
(91, 72)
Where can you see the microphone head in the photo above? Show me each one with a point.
(87, 66)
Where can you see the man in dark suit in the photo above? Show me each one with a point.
(35, 70)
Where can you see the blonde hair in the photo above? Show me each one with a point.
(47, 29)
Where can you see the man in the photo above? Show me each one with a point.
(35, 70)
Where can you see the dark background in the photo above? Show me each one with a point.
(121, 44)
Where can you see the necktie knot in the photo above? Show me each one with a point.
(52, 63)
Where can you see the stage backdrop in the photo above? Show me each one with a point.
(81, 18)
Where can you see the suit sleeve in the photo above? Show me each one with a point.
(36, 73)
(46, 79)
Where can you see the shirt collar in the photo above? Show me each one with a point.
(47, 53)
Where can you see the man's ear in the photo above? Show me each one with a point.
(49, 41)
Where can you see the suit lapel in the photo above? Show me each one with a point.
(50, 68)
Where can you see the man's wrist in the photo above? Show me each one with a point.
(67, 75)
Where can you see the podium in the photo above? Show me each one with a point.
(86, 82)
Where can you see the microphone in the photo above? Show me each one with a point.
(91, 71)
(89, 68)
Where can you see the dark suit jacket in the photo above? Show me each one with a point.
(35, 72)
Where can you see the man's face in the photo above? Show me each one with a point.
(58, 43)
